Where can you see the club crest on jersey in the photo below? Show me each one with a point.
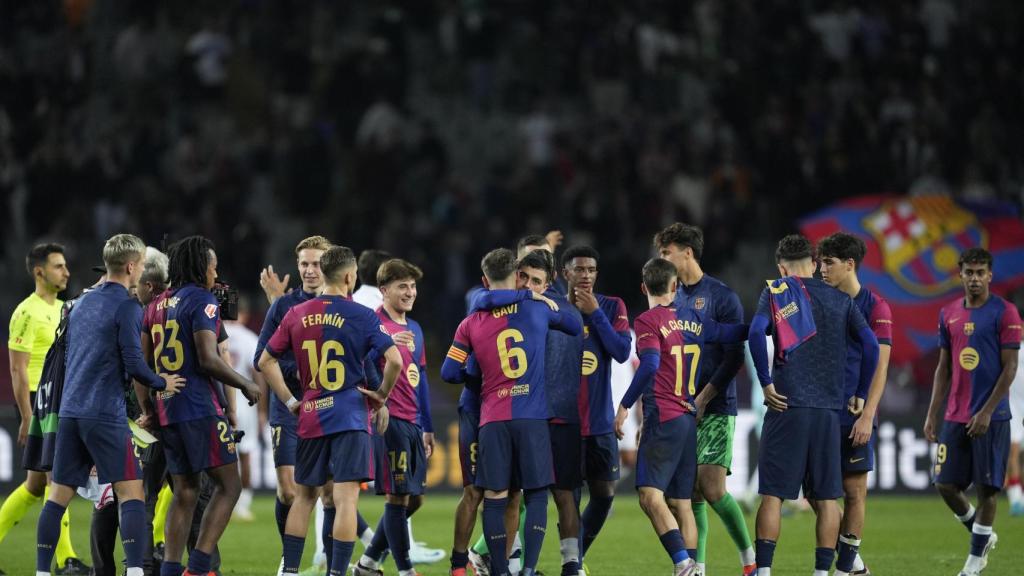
(968, 328)
(698, 303)
(210, 311)
(921, 240)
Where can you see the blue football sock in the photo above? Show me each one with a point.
(764, 553)
(494, 532)
(293, 546)
(459, 559)
(341, 553)
(848, 547)
(379, 543)
(979, 539)
(171, 569)
(327, 534)
(823, 558)
(281, 515)
(47, 534)
(674, 545)
(536, 525)
(397, 527)
(199, 561)
(691, 552)
(592, 520)
(133, 531)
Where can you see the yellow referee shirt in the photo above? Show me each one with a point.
(33, 329)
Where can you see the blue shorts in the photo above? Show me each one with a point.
(83, 443)
(667, 456)
(860, 459)
(400, 460)
(800, 447)
(285, 439)
(514, 452)
(601, 457)
(343, 456)
(567, 455)
(469, 430)
(196, 445)
(962, 460)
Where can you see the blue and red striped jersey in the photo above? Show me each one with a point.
(975, 338)
(330, 337)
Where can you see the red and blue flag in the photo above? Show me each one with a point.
(914, 244)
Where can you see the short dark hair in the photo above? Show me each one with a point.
(531, 240)
(39, 254)
(794, 247)
(369, 262)
(844, 247)
(397, 269)
(335, 260)
(684, 235)
(975, 256)
(658, 274)
(579, 252)
(540, 259)
(188, 261)
(498, 264)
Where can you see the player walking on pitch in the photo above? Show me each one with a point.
(979, 336)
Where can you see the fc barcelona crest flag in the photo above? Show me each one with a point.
(914, 244)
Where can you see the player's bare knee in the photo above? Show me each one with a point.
(650, 500)
(948, 490)
(35, 483)
(415, 503)
(472, 496)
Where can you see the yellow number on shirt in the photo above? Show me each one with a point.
(222, 427)
(326, 372)
(506, 353)
(678, 352)
(941, 455)
(165, 337)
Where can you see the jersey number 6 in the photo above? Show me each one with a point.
(506, 353)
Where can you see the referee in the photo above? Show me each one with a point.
(32, 331)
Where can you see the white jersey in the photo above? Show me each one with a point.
(242, 344)
(368, 296)
(622, 376)
(1017, 402)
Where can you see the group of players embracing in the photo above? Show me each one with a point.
(534, 355)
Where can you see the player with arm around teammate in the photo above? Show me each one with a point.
(331, 336)
(669, 346)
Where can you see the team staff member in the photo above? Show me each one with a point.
(32, 329)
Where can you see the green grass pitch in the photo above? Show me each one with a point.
(904, 536)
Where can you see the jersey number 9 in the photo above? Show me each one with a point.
(165, 337)
(325, 371)
(506, 353)
(679, 351)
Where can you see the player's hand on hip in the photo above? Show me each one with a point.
(374, 397)
(273, 286)
(978, 424)
(428, 443)
(773, 399)
(620, 418)
(542, 298)
(404, 338)
(23, 431)
(855, 405)
(929, 429)
(861, 432)
(173, 383)
(586, 301)
(381, 418)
